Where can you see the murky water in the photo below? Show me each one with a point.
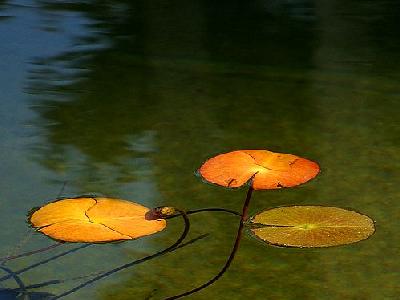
(128, 98)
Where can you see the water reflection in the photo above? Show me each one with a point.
(100, 100)
(153, 88)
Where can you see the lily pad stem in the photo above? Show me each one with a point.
(208, 209)
(232, 254)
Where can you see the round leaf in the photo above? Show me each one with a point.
(268, 170)
(94, 220)
(311, 226)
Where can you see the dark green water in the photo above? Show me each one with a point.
(128, 98)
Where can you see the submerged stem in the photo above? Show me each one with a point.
(105, 274)
(219, 209)
(232, 254)
(189, 212)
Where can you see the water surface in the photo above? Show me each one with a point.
(128, 99)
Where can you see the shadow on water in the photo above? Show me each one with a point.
(149, 92)
(10, 294)
(45, 261)
(24, 290)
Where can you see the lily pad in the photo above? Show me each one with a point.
(311, 226)
(94, 220)
(268, 170)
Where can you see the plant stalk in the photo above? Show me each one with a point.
(243, 218)
(208, 209)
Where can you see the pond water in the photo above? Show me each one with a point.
(128, 98)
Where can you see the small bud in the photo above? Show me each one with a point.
(161, 212)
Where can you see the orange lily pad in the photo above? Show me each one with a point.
(311, 226)
(94, 220)
(268, 170)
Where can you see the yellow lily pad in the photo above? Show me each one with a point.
(311, 226)
(94, 220)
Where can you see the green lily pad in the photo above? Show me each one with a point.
(311, 226)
